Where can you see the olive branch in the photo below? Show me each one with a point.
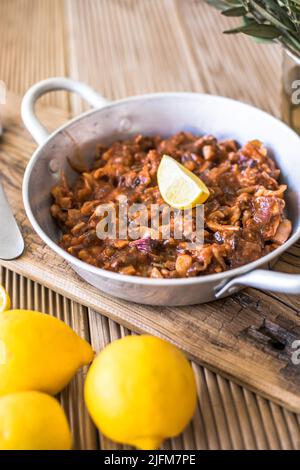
(265, 20)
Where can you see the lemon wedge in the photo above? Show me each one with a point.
(179, 187)
(4, 300)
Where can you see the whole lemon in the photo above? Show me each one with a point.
(38, 352)
(33, 421)
(140, 390)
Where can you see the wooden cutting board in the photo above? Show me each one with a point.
(247, 337)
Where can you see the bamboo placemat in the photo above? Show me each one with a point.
(123, 47)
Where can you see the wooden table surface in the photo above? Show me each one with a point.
(125, 47)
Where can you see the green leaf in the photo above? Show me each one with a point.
(262, 31)
(219, 4)
(263, 41)
(223, 4)
(251, 21)
(247, 20)
(235, 11)
(269, 16)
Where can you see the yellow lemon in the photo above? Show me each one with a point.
(38, 352)
(178, 186)
(140, 390)
(4, 300)
(33, 421)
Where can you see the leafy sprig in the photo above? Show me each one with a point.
(265, 20)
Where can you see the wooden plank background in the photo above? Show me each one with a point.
(123, 47)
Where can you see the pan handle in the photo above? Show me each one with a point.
(36, 129)
(264, 280)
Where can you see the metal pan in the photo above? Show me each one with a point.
(165, 114)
